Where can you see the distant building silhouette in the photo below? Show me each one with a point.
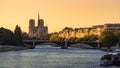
(39, 31)
(94, 30)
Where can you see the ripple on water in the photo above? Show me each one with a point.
(51, 57)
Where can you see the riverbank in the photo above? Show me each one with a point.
(4, 48)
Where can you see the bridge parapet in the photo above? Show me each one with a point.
(62, 44)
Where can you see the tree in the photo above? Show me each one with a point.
(72, 39)
(93, 38)
(55, 37)
(117, 34)
(6, 36)
(79, 39)
(107, 39)
(18, 36)
(86, 38)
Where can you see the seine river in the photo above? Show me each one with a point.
(52, 57)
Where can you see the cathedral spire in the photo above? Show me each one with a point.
(39, 23)
(38, 16)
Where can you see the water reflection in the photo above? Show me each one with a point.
(51, 57)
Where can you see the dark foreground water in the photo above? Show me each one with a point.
(52, 57)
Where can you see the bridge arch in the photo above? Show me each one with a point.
(49, 43)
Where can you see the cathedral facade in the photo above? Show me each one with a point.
(39, 31)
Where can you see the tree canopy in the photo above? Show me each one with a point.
(18, 36)
(117, 34)
(6, 36)
(55, 37)
(107, 39)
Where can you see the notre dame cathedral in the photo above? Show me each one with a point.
(39, 31)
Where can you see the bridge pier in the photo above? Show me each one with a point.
(65, 45)
(98, 44)
(33, 45)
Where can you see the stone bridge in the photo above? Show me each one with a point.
(62, 44)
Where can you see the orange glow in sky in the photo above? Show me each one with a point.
(58, 14)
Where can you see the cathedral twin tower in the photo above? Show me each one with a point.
(39, 31)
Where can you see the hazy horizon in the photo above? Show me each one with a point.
(58, 14)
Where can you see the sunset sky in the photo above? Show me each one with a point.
(58, 14)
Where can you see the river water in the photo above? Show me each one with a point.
(46, 56)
